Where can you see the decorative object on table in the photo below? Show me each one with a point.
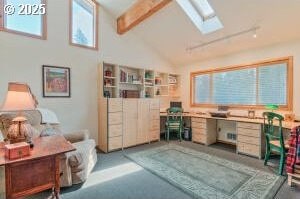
(202, 175)
(289, 117)
(19, 99)
(17, 150)
(56, 81)
(272, 107)
(251, 114)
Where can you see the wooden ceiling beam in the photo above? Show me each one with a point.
(140, 11)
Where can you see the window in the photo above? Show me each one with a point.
(201, 14)
(25, 17)
(254, 85)
(84, 23)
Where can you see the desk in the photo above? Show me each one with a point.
(37, 172)
(249, 138)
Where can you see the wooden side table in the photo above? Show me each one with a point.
(39, 171)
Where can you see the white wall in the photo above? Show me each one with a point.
(21, 59)
(250, 56)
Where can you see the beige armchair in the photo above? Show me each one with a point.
(76, 165)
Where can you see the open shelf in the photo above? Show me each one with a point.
(125, 81)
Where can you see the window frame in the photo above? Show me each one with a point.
(289, 90)
(43, 24)
(96, 26)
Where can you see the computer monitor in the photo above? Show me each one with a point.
(176, 104)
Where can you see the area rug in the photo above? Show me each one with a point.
(205, 176)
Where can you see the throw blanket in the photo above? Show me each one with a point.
(293, 156)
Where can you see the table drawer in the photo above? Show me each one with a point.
(155, 114)
(115, 143)
(154, 104)
(249, 132)
(27, 175)
(249, 149)
(198, 125)
(199, 138)
(154, 125)
(248, 125)
(114, 105)
(198, 119)
(115, 130)
(249, 140)
(115, 118)
(199, 131)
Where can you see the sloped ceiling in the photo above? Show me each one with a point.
(170, 32)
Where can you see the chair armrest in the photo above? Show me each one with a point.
(77, 136)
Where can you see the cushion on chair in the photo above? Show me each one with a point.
(277, 143)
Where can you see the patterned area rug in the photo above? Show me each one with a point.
(205, 176)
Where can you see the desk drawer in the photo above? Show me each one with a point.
(198, 119)
(115, 118)
(199, 138)
(248, 125)
(115, 143)
(199, 125)
(114, 105)
(115, 130)
(249, 132)
(249, 140)
(249, 149)
(198, 131)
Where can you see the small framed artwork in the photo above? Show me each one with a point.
(56, 81)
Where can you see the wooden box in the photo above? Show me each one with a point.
(18, 150)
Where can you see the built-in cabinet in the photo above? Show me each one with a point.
(129, 101)
(127, 122)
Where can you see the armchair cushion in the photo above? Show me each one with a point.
(77, 136)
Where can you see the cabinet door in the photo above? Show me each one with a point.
(143, 121)
(130, 121)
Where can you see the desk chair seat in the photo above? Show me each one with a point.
(277, 143)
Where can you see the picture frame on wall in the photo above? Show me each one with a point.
(56, 81)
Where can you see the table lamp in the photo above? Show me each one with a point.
(19, 99)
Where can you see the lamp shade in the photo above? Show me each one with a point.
(19, 98)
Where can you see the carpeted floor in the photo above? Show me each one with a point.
(115, 176)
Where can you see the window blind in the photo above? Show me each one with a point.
(256, 85)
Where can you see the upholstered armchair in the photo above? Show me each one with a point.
(76, 165)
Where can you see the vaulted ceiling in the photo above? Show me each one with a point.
(170, 32)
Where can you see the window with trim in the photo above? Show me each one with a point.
(248, 86)
(24, 17)
(84, 23)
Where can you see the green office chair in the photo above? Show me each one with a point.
(174, 122)
(274, 140)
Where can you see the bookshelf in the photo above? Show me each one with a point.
(118, 81)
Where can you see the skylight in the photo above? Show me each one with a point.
(204, 8)
(201, 14)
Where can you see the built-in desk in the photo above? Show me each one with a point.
(249, 137)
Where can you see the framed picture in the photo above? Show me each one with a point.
(56, 81)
